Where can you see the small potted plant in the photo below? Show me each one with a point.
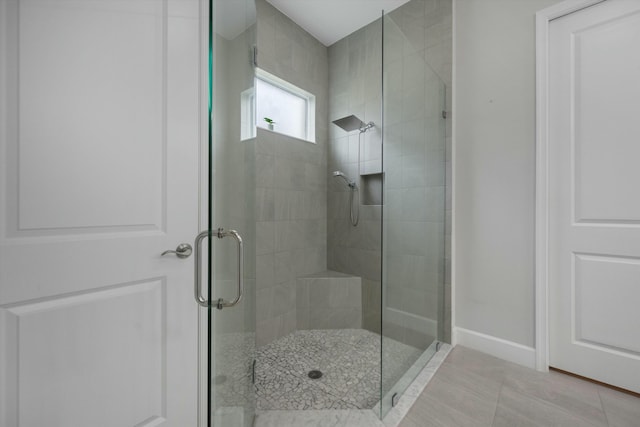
(270, 122)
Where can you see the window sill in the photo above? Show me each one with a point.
(285, 135)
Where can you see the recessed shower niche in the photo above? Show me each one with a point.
(372, 189)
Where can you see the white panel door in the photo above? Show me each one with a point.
(594, 198)
(99, 152)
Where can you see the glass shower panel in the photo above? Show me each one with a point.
(231, 330)
(413, 211)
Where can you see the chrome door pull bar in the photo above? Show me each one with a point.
(220, 234)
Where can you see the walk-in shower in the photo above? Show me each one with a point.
(345, 290)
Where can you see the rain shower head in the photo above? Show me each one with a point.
(351, 123)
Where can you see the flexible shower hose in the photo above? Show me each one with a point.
(354, 217)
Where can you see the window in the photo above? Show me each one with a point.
(290, 109)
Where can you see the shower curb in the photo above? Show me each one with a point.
(411, 394)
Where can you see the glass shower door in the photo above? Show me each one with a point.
(413, 212)
(230, 326)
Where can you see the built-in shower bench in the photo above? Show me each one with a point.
(329, 300)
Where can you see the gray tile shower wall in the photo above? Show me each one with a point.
(419, 46)
(302, 223)
(291, 196)
(415, 82)
(355, 76)
(329, 300)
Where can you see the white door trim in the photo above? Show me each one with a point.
(543, 19)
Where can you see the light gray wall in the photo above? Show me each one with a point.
(495, 167)
(290, 179)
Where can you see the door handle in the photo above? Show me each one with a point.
(220, 234)
(182, 251)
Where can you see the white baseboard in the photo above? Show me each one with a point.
(498, 347)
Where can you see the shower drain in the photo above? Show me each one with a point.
(314, 375)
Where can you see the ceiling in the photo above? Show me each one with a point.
(331, 20)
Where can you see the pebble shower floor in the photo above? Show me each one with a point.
(349, 360)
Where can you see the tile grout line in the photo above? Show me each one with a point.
(604, 411)
(552, 404)
(495, 412)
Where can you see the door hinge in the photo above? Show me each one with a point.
(254, 56)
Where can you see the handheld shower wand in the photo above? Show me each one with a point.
(353, 213)
(341, 174)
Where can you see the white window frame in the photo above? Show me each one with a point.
(310, 101)
(248, 114)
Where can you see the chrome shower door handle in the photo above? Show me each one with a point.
(220, 234)
(240, 245)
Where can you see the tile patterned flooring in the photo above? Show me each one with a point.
(477, 390)
(474, 389)
(468, 389)
(349, 360)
